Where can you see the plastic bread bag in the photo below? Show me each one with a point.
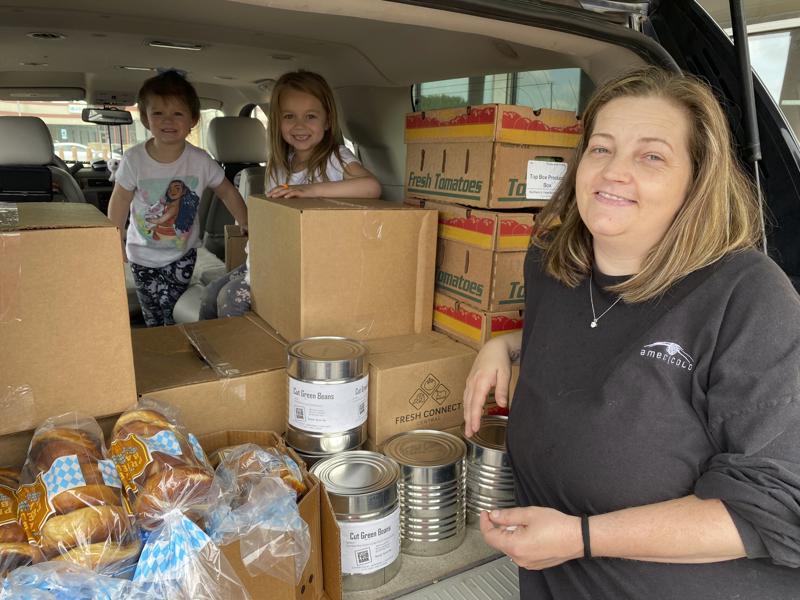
(15, 550)
(58, 580)
(70, 502)
(255, 502)
(180, 562)
(240, 466)
(161, 465)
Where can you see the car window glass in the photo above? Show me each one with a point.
(75, 140)
(258, 113)
(773, 38)
(562, 89)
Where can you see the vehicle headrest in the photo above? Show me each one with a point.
(237, 140)
(25, 141)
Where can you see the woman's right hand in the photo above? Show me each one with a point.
(491, 369)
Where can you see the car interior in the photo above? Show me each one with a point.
(379, 56)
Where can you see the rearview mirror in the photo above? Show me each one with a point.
(106, 116)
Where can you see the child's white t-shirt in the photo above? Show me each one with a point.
(163, 225)
(334, 170)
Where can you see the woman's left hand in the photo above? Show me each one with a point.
(306, 190)
(533, 537)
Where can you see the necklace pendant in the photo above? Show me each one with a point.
(593, 324)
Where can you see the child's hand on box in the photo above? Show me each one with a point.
(306, 190)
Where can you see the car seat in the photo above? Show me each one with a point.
(26, 169)
(239, 144)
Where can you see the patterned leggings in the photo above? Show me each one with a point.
(158, 289)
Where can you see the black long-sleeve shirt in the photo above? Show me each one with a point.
(695, 393)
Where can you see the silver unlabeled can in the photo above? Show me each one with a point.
(328, 390)
(490, 481)
(362, 487)
(431, 489)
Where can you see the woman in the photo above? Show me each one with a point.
(657, 415)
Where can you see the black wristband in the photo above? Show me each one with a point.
(587, 543)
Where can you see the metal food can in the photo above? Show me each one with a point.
(312, 459)
(362, 487)
(490, 482)
(328, 389)
(431, 489)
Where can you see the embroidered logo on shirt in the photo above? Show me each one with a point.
(669, 352)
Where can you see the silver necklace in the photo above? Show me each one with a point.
(595, 318)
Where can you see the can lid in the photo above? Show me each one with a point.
(492, 433)
(326, 358)
(356, 472)
(425, 448)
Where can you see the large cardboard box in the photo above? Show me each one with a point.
(491, 281)
(494, 123)
(65, 339)
(321, 578)
(415, 382)
(492, 156)
(357, 268)
(235, 243)
(485, 174)
(485, 229)
(221, 374)
(472, 326)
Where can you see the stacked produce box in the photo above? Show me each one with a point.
(487, 170)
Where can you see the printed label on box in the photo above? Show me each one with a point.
(368, 547)
(327, 408)
(544, 176)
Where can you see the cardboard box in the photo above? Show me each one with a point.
(491, 281)
(415, 382)
(221, 374)
(235, 242)
(472, 326)
(64, 324)
(362, 269)
(485, 174)
(321, 577)
(494, 123)
(485, 229)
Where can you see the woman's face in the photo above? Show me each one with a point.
(175, 190)
(635, 173)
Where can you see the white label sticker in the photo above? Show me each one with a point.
(328, 408)
(544, 176)
(368, 547)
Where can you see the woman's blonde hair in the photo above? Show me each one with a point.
(720, 214)
(278, 167)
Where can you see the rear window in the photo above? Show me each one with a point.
(562, 89)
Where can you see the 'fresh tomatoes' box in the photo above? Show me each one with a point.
(485, 229)
(485, 174)
(470, 325)
(507, 123)
(490, 156)
(490, 281)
